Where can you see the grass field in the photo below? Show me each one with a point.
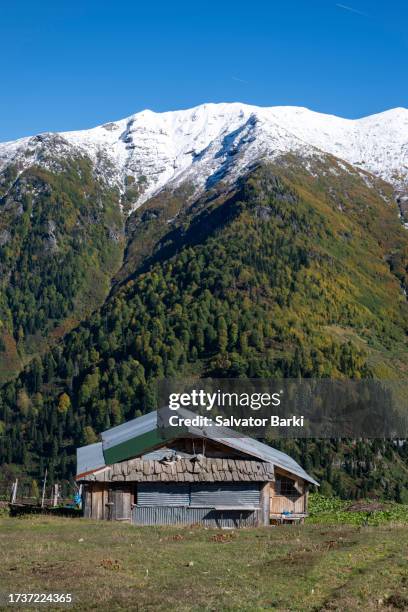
(114, 566)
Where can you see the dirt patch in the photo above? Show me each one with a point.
(366, 507)
(53, 570)
(110, 564)
(57, 570)
(397, 601)
(294, 563)
(223, 537)
(174, 538)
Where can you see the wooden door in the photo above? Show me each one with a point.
(122, 497)
(98, 501)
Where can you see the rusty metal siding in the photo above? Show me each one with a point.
(184, 515)
(225, 494)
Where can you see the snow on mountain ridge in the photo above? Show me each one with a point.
(213, 141)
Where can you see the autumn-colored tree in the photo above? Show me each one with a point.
(64, 403)
(89, 435)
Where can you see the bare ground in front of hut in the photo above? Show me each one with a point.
(112, 566)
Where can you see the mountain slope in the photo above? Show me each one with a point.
(281, 276)
(61, 240)
(64, 198)
(224, 240)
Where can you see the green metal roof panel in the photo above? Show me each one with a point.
(135, 446)
(129, 430)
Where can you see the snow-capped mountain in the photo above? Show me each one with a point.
(219, 141)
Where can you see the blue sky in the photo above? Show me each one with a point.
(74, 64)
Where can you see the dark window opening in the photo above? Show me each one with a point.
(285, 486)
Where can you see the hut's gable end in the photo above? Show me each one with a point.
(192, 446)
(288, 494)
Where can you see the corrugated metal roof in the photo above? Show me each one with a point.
(132, 429)
(90, 458)
(148, 422)
(253, 447)
(267, 453)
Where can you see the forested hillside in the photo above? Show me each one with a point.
(284, 275)
(61, 239)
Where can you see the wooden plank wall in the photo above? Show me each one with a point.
(282, 503)
(102, 501)
(264, 504)
(87, 501)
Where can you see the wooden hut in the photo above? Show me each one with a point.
(137, 474)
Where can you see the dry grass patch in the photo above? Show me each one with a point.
(109, 566)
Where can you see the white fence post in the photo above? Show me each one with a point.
(55, 495)
(14, 491)
(43, 489)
